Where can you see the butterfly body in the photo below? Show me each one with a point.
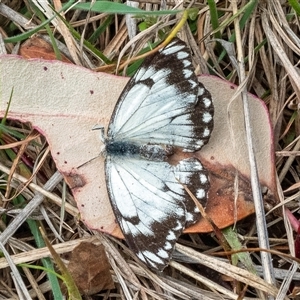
(144, 151)
(163, 107)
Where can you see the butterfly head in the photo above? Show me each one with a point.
(103, 139)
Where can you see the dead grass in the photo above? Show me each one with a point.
(265, 37)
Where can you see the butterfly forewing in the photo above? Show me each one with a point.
(163, 97)
(162, 106)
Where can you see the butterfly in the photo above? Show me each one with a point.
(162, 108)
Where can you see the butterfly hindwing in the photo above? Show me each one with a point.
(151, 205)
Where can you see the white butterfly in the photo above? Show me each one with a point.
(162, 108)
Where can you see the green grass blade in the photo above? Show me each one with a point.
(295, 5)
(214, 17)
(119, 8)
(244, 257)
(47, 263)
(101, 29)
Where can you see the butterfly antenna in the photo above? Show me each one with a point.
(87, 162)
(103, 138)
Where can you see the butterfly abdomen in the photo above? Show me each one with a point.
(156, 152)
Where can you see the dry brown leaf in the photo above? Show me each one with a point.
(64, 102)
(90, 268)
(36, 47)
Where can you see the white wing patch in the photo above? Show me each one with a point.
(172, 48)
(163, 106)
